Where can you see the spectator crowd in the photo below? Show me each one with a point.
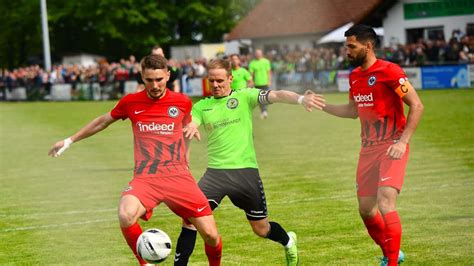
(307, 64)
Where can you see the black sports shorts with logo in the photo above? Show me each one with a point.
(243, 187)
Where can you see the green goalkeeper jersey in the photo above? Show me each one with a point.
(228, 123)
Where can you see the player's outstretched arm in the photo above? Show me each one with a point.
(309, 100)
(96, 125)
(176, 86)
(250, 82)
(348, 110)
(191, 131)
(415, 112)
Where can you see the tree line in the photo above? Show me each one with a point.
(112, 28)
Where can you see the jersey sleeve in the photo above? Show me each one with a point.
(120, 110)
(256, 96)
(398, 81)
(196, 112)
(174, 74)
(188, 104)
(139, 78)
(247, 76)
(251, 67)
(268, 65)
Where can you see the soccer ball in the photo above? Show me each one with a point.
(154, 245)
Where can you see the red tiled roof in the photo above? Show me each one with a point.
(273, 18)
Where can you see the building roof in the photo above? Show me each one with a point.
(275, 18)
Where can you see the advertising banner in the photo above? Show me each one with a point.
(192, 86)
(442, 77)
(17, 94)
(88, 91)
(343, 80)
(432, 9)
(130, 86)
(471, 75)
(414, 76)
(61, 92)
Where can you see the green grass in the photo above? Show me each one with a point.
(63, 211)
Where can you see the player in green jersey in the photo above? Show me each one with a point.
(232, 167)
(261, 70)
(241, 78)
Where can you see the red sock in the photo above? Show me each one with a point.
(214, 254)
(376, 228)
(393, 235)
(131, 234)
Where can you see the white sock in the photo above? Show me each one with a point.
(290, 243)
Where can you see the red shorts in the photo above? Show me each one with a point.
(180, 193)
(376, 169)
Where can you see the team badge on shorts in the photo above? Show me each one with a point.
(173, 111)
(128, 189)
(232, 103)
(372, 80)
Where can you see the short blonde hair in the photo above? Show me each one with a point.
(220, 64)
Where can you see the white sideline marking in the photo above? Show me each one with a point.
(13, 229)
(55, 225)
(56, 213)
(274, 203)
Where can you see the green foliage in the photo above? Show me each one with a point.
(113, 28)
(63, 210)
(20, 32)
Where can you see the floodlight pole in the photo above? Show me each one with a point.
(44, 26)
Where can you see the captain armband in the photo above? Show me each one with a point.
(404, 88)
(263, 97)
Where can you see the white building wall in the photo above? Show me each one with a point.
(205, 50)
(233, 47)
(81, 60)
(210, 50)
(303, 41)
(185, 51)
(395, 25)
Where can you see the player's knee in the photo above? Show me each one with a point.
(188, 226)
(126, 219)
(367, 212)
(386, 205)
(210, 235)
(260, 232)
(261, 229)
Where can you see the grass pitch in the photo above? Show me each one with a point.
(63, 210)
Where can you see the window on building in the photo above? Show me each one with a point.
(432, 33)
(470, 29)
(413, 35)
(435, 33)
(270, 47)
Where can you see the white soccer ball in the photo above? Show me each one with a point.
(154, 245)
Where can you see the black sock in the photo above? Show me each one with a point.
(278, 234)
(185, 246)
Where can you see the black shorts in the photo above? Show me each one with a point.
(243, 187)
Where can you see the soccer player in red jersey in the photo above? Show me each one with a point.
(378, 91)
(161, 172)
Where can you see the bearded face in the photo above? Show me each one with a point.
(358, 59)
(356, 51)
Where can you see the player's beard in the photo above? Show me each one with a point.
(359, 59)
(158, 94)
